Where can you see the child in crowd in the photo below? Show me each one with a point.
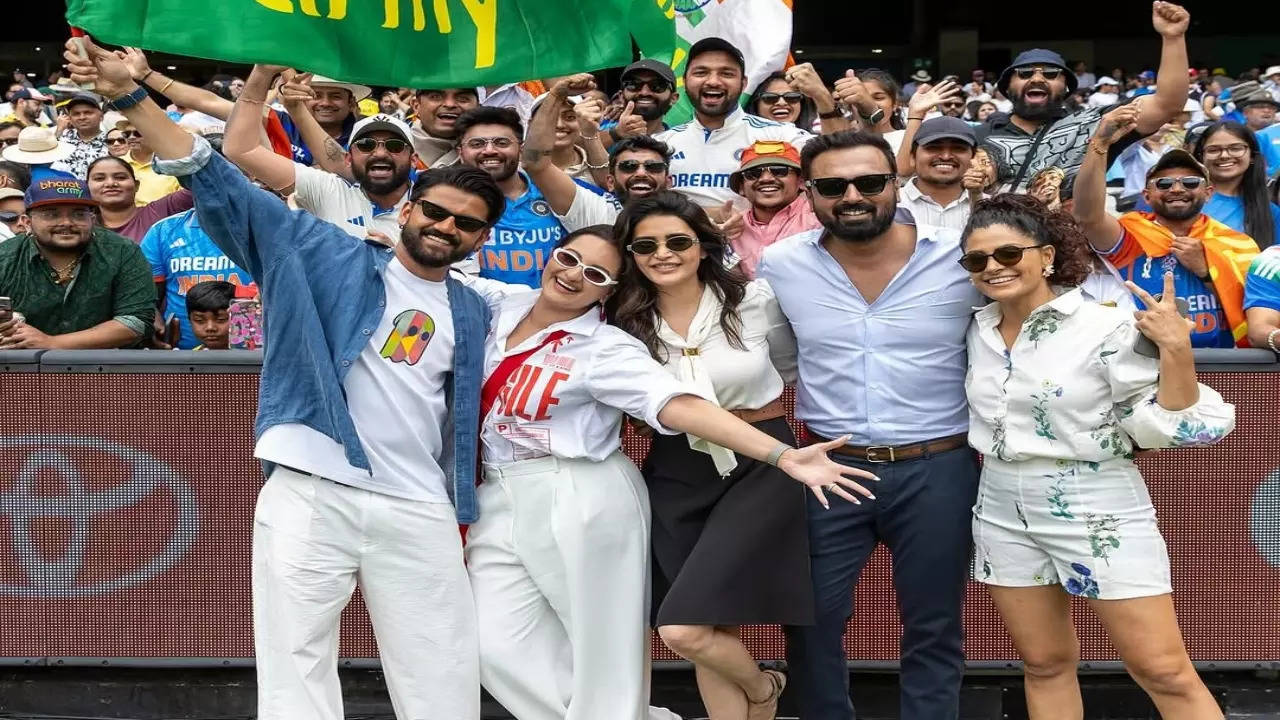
(209, 310)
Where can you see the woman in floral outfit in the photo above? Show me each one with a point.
(1059, 399)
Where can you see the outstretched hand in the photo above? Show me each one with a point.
(811, 466)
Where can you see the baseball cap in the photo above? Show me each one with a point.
(656, 67)
(1147, 75)
(1038, 56)
(30, 94)
(1105, 80)
(1178, 158)
(383, 122)
(715, 44)
(83, 98)
(58, 189)
(943, 128)
(764, 152)
(8, 192)
(1273, 70)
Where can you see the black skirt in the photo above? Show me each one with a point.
(728, 550)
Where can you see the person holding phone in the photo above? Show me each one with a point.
(1059, 401)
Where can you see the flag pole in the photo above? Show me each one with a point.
(77, 36)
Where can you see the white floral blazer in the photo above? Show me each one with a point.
(1072, 388)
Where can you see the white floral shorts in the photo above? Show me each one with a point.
(1088, 527)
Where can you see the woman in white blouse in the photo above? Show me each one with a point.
(730, 538)
(560, 556)
(1061, 395)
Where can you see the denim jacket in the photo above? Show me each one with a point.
(324, 292)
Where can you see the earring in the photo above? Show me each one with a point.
(1048, 270)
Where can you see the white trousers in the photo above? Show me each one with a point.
(313, 540)
(559, 563)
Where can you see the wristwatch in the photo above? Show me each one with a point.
(874, 118)
(127, 101)
(831, 114)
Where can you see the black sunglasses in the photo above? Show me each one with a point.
(866, 185)
(1190, 182)
(465, 223)
(770, 98)
(657, 85)
(9, 218)
(395, 146)
(110, 141)
(649, 246)
(778, 171)
(131, 133)
(1006, 255)
(1049, 73)
(653, 166)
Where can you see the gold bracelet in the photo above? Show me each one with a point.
(601, 166)
(1096, 149)
(166, 86)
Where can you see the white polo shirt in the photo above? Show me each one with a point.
(568, 398)
(703, 159)
(334, 200)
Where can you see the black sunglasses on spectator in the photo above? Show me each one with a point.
(657, 85)
(770, 98)
(366, 145)
(1190, 182)
(778, 171)
(866, 185)
(465, 223)
(653, 166)
(9, 218)
(1006, 255)
(1049, 73)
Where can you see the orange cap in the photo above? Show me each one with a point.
(765, 152)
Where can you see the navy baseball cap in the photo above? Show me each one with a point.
(1038, 56)
(715, 44)
(58, 189)
(944, 128)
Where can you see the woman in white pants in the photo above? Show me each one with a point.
(559, 559)
(1061, 392)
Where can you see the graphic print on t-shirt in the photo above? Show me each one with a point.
(409, 337)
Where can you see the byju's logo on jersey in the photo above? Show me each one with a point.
(409, 337)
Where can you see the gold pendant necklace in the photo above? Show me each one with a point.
(62, 276)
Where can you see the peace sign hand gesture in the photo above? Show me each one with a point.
(1161, 322)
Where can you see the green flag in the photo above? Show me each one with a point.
(403, 43)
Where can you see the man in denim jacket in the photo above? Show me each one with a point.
(366, 424)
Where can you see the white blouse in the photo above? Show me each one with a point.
(568, 398)
(1073, 388)
(733, 378)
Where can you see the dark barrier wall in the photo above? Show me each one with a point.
(127, 488)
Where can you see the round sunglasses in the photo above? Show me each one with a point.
(1007, 255)
(866, 185)
(465, 223)
(1190, 182)
(674, 243)
(592, 274)
(366, 145)
(777, 171)
(770, 98)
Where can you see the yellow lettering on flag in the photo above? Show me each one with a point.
(284, 6)
(337, 8)
(484, 13)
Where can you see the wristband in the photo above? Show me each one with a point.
(128, 100)
(776, 454)
(831, 114)
(143, 79)
(1271, 340)
(915, 118)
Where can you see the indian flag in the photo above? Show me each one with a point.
(761, 29)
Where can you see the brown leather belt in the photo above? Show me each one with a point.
(773, 410)
(897, 453)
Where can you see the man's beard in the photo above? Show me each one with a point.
(1026, 111)
(623, 193)
(655, 111)
(1187, 212)
(46, 243)
(504, 172)
(860, 231)
(399, 177)
(415, 244)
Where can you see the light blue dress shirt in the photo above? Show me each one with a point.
(887, 373)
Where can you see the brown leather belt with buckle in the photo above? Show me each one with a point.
(773, 410)
(897, 453)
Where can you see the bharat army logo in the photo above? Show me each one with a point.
(410, 335)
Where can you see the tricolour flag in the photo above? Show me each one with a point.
(761, 29)
(403, 43)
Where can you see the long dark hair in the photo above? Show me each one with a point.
(892, 89)
(1253, 186)
(808, 110)
(634, 306)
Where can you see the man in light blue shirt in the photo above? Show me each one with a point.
(880, 311)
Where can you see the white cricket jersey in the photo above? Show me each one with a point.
(334, 200)
(703, 159)
(567, 399)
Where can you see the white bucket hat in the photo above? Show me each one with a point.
(37, 146)
(359, 92)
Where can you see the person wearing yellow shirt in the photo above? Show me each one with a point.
(151, 186)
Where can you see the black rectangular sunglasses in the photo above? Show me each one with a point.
(866, 185)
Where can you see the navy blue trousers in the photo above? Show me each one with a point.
(922, 513)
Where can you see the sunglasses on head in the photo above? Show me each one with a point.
(1190, 182)
(366, 145)
(657, 85)
(592, 274)
(770, 98)
(777, 171)
(465, 223)
(674, 243)
(1049, 73)
(652, 166)
(866, 185)
(1006, 255)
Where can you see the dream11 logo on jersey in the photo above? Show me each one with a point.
(82, 516)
